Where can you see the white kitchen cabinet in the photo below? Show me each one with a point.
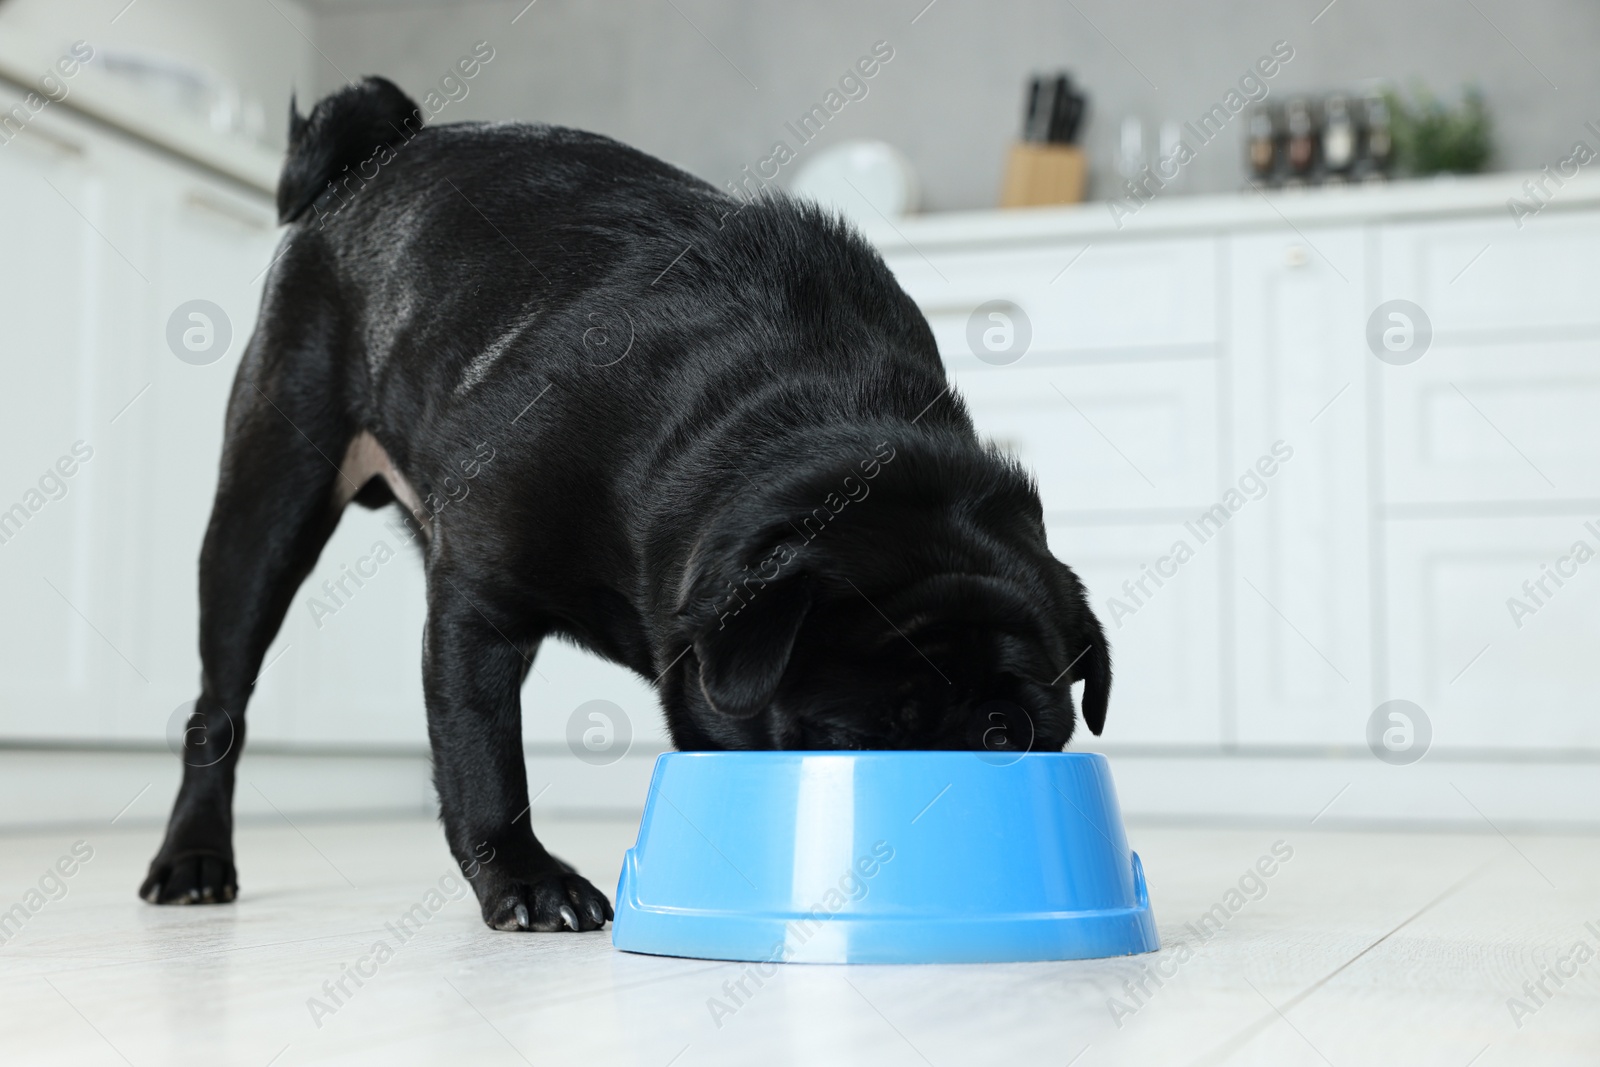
(1080, 299)
(72, 288)
(1114, 407)
(1376, 562)
(1165, 362)
(352, 677)
(1498, 422)
(356, 679)
(1117, 435)
(203, 241)
(565, 678)
(1490, 467)
(1491, 676)
(1481, 278)
(1166, 647)
(106, 239)
(1500, 407)
(1300, 591)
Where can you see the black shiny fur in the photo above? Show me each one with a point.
(725, 455)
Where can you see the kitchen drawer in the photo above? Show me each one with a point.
(1504, 422)
(1141, 434)
(1115, 297)
(1456, 648)
(1165, 647)
(1485, 276)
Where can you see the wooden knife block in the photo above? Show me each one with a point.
(1039, 174)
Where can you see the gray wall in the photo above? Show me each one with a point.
(951, 97)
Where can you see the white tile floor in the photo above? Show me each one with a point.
(1379, 948)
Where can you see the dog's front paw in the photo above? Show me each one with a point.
(554, 899)
(195, 877)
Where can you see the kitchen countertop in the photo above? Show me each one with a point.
(1476, 195)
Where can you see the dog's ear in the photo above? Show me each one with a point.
(1095, 671)
(744, 652)
(1088, 655)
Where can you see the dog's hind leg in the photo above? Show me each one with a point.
(278, 499)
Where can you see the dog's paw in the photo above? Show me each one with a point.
(558, 899)
(191, 878)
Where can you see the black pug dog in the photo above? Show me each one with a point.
(706, 438)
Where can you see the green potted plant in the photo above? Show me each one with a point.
(1431, 137)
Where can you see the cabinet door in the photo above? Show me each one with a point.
(1489, 469)
(1299, 538)
(1166, 647)
(1512, 424)
(347, 666)
(1500, 407)
(1114, 408)
(1492, 629)
(72, 274)
(206, 242)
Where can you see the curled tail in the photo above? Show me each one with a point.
(343, 132)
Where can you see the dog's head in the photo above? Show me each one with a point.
(904, 599)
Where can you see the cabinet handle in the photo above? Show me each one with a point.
(963, 309)
(1295, 256)
(939, 311)
(215, 205)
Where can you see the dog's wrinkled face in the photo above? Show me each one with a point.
(857, 640)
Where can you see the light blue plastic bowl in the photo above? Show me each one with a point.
(882, 857)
